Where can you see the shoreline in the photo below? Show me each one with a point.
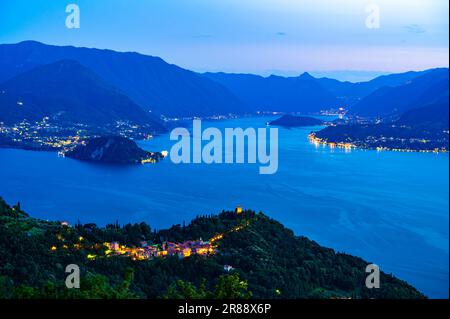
(348, 146)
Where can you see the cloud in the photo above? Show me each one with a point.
(414, 28)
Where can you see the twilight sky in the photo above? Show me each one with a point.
(287, 37)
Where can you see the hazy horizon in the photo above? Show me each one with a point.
(341, 75)
(282, 37)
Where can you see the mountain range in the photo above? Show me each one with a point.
(349, 93)
(150, 82)
(68, 93)
(302, 94)
(96, 86)
(428, 88)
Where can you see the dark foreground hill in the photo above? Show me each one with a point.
(251, 256)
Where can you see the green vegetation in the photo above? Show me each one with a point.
(267, 261)
(228, 287)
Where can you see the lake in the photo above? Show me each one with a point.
(390, 208)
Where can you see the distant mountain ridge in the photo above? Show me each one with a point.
(275, 93)
(149, 81)
(349, 93)
(166, 89)
(305, 94)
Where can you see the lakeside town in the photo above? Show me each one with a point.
(44, 135)
(317, 141)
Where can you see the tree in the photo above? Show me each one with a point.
(231, 287)
(185, 290)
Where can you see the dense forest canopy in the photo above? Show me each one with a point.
(254, 257)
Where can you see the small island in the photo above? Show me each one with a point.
(296, 121)
(112, 149)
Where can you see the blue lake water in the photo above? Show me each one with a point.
(389, 208)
